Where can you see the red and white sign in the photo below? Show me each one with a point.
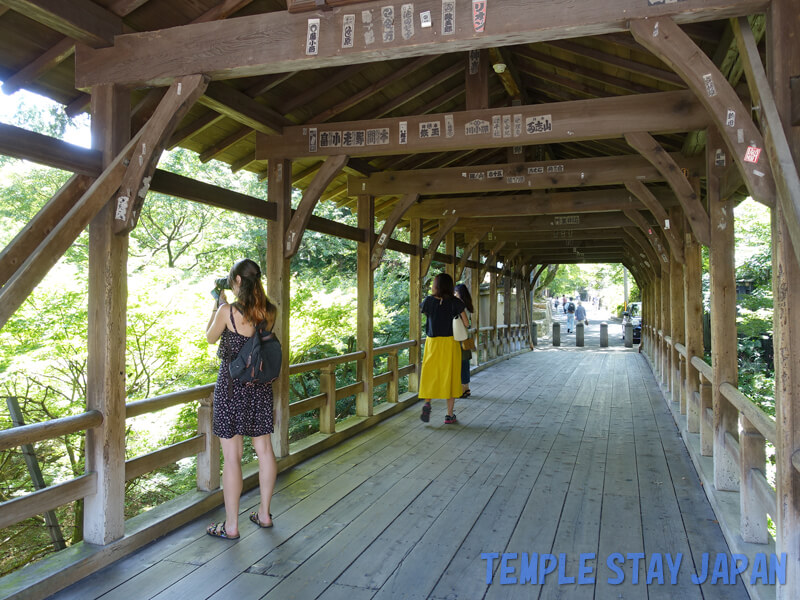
(752, 154)
(478, 15)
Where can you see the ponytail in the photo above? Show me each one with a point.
(252, 298)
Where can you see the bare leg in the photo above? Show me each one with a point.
(267, 473)
(232, 482)
(451, 404)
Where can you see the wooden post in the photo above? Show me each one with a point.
(208, 462)
(475, 291)
(657, 324)
(752, 456)
(677, 319)
(693, 326)
(327, 412)
(366, 292)
(450, 249)
(666, 354)
(783, 59)
(723, 319)
(414, 300)
(29, 456)
(393, 387)
(493, 336)
(507, 339)
(279, 190)
(104, 511)
(706, 428)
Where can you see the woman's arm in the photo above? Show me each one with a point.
(217, 322)
(465, 318)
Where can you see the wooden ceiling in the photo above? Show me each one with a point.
(36, 54)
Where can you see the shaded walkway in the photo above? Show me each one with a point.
(562, 452)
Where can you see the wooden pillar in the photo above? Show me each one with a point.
(475, 291)
(366, 292)
(414, 300)
(656, 325)
(693, 326)
(724, 345)
(665, 326)
(104, 518)
(450, 249)
(279, 190)
(783, 61)
(492, 343)
(476, 80)
(677, 319)
(506, 347)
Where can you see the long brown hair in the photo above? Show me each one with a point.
(252, 299)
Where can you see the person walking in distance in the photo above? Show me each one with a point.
(580, 314)
(241, 409)
(570, 316)
(441, 364)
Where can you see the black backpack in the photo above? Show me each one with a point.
(259, 360)
(571, 307)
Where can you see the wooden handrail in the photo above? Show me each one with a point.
(156, 403)
(325, 362)
(47, 430)
(40, 501)
(796, 459)
(703, 368)
(397, 346)
(162, 457)
(668, 340)
(681, 349)
(755, 415)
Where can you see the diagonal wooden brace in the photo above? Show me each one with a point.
(462, 262)
(648, 147)
(636, 217)
(444, 228)
(400, 208)
(180, 97)
(667, 41)
(323, 178)
(643, 193)
(491, 260)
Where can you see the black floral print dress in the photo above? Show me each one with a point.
(239, 409)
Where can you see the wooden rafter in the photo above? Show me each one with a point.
(81, 20)
(665, 39)
(652, 234)
(382, 241)
(445, 227)
(294, 233)
(648, 147)
(182, 95)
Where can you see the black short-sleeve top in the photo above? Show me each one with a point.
(440, 313)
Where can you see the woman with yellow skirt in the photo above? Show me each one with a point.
(441, 365)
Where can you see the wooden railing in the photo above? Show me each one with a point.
(204, 444)
(494, 342)
(745, 447)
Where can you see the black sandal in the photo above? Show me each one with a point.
(466, 394)
(254, 518)
(426, 412)
(218, 530)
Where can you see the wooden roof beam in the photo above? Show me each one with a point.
(256, 45)
(240, 107)
(470, 246)
(669, 43)
(543, 223)
(665, 112)
(585, 172)
(416, 91)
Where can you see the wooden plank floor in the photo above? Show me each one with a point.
(558, 451)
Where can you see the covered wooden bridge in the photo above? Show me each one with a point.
(516, 134)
